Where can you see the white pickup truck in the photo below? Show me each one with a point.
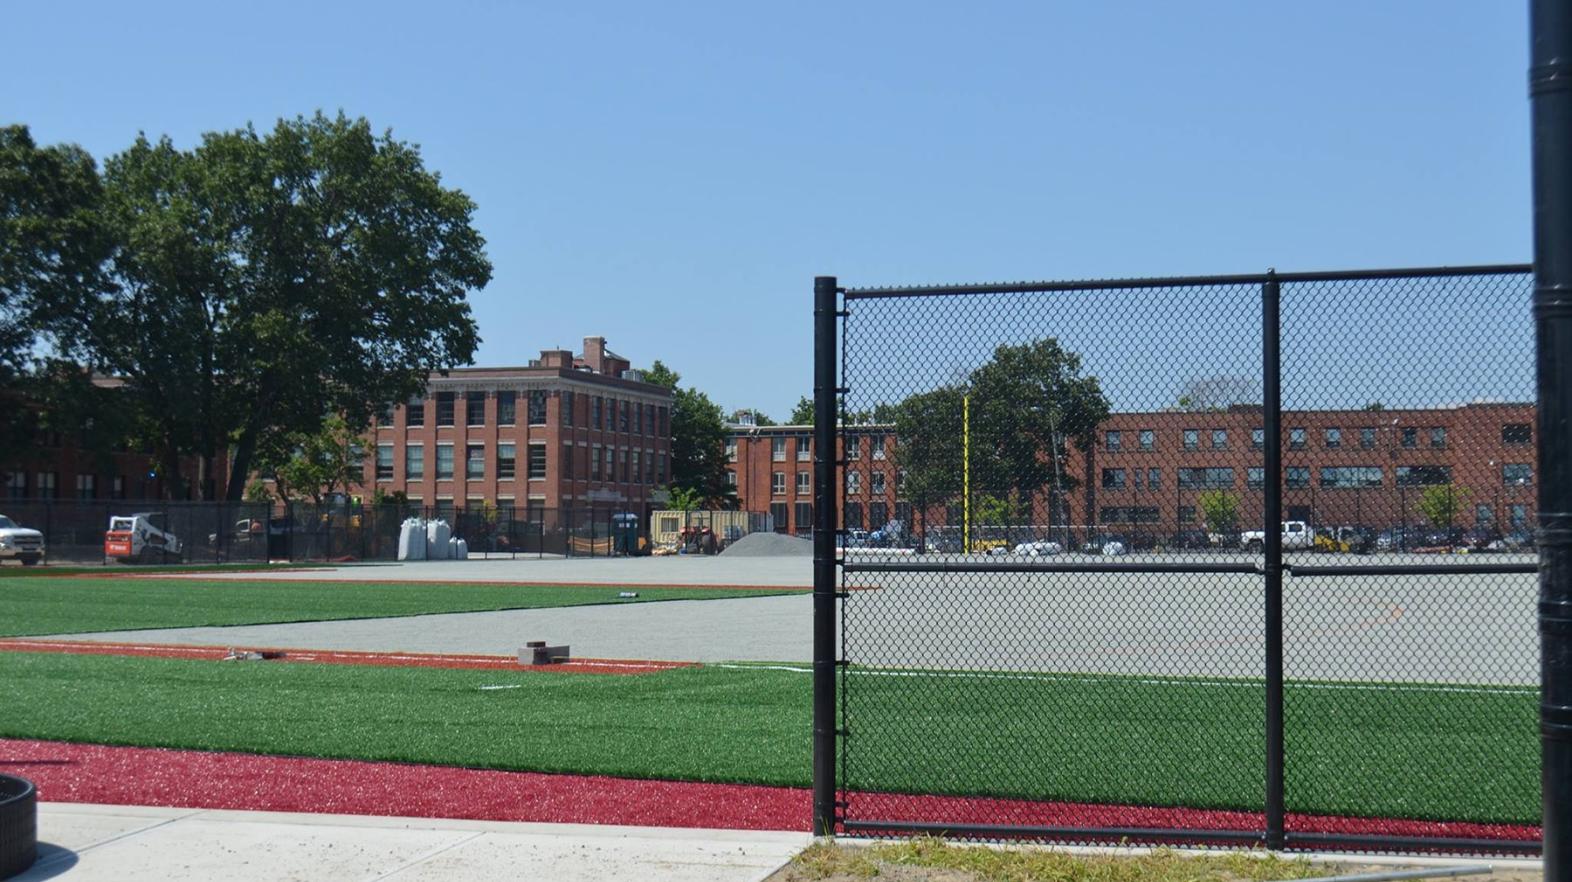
(20, 543)
(1296, 535)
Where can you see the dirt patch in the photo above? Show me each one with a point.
(770, 545)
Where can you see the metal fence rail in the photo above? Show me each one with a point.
(1308, 596)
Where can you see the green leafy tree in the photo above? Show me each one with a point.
(685, 500)
(326, 461)
(698, 440)
(1219, 509)
(802, 413)
(1441, 504)
(261, 281)
(257, 492)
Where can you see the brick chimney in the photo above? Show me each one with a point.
(595, 353)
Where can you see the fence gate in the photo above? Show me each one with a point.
(1239, 559)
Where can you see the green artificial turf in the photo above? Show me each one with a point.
(66, 605)
(1406, 751)
(46, 572)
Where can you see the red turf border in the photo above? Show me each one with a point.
(67, 772)
(345, 657)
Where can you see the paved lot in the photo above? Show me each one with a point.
(1439, 629)
(674, 570)
(86, 842)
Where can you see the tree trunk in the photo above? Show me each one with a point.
(240, 466)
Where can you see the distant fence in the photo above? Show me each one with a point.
(221, 532)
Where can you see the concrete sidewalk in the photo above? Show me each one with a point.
(86, 843)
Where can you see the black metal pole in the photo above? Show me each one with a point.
(1550, 91)
(824, 514)
(1272, 517)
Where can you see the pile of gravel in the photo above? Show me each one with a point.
(770, 545)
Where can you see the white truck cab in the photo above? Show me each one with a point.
(1296, 535)
(19, 543)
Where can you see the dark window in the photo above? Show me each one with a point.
(1154, 479)
(1514, 473)
(1186, 514)
(664, 422)
(1257, 439)
(854, 516)
(414, 462)
(1113, 479)
(1517, 433)
(1113, 440)
(1133, 514)
(384, 462)
(565, 404)
(1255, 478)
(1438, 437)
(1334, 438)
(474, 408)
(507, 408)
(444, 461)
(595, 407)
(1147, 439)
(622, 463)
(1207, 477)
(1518, 516)
(1367, 438)
(1296, 476)
(537, 461)
(778, 513)
(475, 461)
(638, 419)
(1192, 439)
(537, 407)
(1410, 437)
(622, 416)
(1484, 516)
(385, 415)
(415, 413)
(878, 515)
(1423, 475)
(1219, 439)
(1345, 477)
(595, 463)
(444, 408)
(804, 519)
(567, 461)
(1296, 439)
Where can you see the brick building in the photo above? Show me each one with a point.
(563, 432)
(1146, 471)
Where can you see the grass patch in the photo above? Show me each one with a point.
(21, 572)
(66, 605)
(828, 861)
(1379, 752)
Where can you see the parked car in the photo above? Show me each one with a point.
(1190, 539)
(1482, 539)
(1041, 548)
(1395, 539)
(1106, 544)
(1517, 540)
(1295, 535)
(1441, 539)
(141, 538)
(19, 543)
(245, 530)
(1345, 540)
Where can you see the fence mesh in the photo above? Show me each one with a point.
(1055, 563)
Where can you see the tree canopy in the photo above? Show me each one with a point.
(802, 413)
(251, 287)
(698, 440)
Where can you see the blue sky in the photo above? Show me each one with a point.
(672, 176)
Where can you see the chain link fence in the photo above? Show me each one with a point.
(1239, 558)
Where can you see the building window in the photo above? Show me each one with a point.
(804, 515)
(444, 408)
(854, 482)
(474, 408)
(507, 408)
(384, 462)
(649, 466)
(664, 473)
(1367, 438)
(537, 407)
(622, 461)
(854, 447)
(638, 419)
(1517, 433)
(595, 417)
(804, 450)
(444, 508)
(1147, 439)
(415, 412)
(414, 462)
(1113, 479)
(1517, 474)
(777, 483)
(1206, 477)
(1346, 477)
(86, 486)
(1192, 439)
(1296, 439)
(1186, 514)
(665, 428)
(118, 489)
(595, 463)
(853, 514)
(1113, 440)
(475, 461)
(611, 468)
(1424, 476)
(1296, 477)
(1219, 439)
(777, 449)
(877, 445)
(1484, 515)
(1438, 437)
(1255, 477)
(622, 415)
(444, 462)
(878, 483)
(1410, 437)
(1517, 516)
(900, 483)
(638, 472)
(804, 483)
(385, 416)
(1334, 438)
(565, 406)
(731, 449)
(1154, 479)
(878, 515)
(537, 460)
(731, 478)
(1257, 439)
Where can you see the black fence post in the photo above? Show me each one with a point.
(824, 513)
(1271, 518)
(1550, 91)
